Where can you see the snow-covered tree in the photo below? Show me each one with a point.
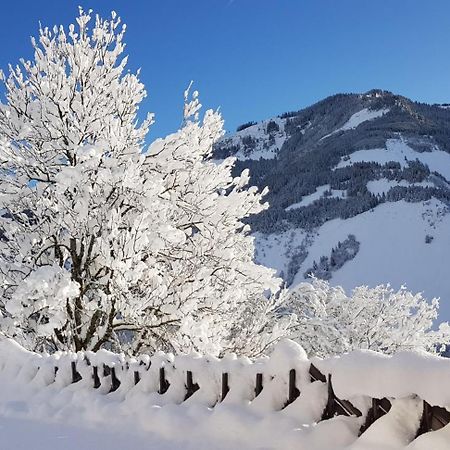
(329, 322)
(104, 243)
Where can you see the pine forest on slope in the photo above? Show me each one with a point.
(359, 191)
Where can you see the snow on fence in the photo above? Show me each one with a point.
(361, 384)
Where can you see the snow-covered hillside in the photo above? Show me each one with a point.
(261, 140)
(398, 150)
(321, 191)
(393, 249)
(375, 167)
(358, 118)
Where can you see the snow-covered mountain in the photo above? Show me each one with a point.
(359, 191)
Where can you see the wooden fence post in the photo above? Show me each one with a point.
(329, 410)
(137, 377)
(163, 383)
(191, 387)
(75, 375)
(115, 382)
(375, 409)
(334, 405)
(379, 408)
(371, 416)
(259, 384)
(225, 386)
(293, 391)
(96, 378)
(425, 421)
(316, 374)
(438, 417)
(106, 370)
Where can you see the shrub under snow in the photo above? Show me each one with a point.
(330, 322)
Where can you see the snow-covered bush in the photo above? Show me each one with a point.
(104, 242)
(329, 322)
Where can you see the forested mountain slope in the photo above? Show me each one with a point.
(359, 191)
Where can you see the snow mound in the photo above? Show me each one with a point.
(405, 374)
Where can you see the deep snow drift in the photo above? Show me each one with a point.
(33, 402)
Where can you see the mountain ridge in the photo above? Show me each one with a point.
(336, 168)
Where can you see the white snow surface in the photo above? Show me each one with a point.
(399, 151)
(383, 185)
(358, 118)
(276, 250)
(319, 193)
(18, 433)
(363, 116)
(392, 236)
(373, 374)
(41, 411)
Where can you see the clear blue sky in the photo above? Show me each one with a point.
(259, 58)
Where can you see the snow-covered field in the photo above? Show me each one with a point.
(276, 250)
(25, 434)
(39, 413)
(398, 150)
(383, 185)
(319, 193)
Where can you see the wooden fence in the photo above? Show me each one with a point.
(433, 417)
